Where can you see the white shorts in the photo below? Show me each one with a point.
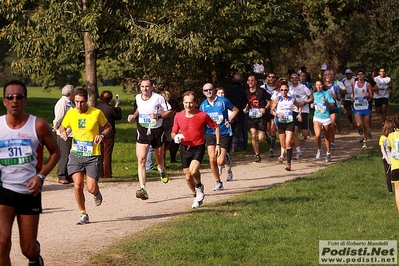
(324, 122)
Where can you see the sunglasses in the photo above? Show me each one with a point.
(207, 90)
(272, 77)
(294, 77)
(284, 90)
(19, 96)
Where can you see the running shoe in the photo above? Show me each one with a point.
(219, 186)
(164, 176)
(98, 198)
(83, 219)
(199, 197)
(364, 145)
(268, 138)
(288, 167)
(318, 154)
(328, 157)
(142, 194)
(257, 158)
(281, 159)
(228, 159)
(332, 146)
(298, 156)
(271, 152)
(229, 176)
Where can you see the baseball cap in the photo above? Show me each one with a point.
(348, 71)
(323, 67)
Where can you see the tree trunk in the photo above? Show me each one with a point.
(91, 69)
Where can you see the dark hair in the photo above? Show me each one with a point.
(82, 92)
(16, 82)
(106, 96)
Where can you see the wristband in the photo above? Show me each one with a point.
(103, 134)
(218, 144)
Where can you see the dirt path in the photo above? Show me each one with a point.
(121, 214)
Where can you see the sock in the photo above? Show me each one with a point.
(227, 166)
(289, 155)
(83, 212)
(298, 149)
(198, 185)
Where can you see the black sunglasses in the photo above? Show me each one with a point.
(284, 90)
(207, 90)
(19, 96)
(272, 77)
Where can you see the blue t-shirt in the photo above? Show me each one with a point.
(321, 109)
(218, 112)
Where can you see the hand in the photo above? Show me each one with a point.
(130, 118)
(178, 138)
(35, 185)
(98, 138)
(63, 135)
(299, 117)
(218, 150)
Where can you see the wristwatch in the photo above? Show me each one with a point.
(159, 116)
(42, 177)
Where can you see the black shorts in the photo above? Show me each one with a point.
(155, 136)
(347, 105)
(395, 175)
(210, 139)
(257, 123)
(25, 204)
(305, 121)
(189, 153)
(380, 102)
(282, 127)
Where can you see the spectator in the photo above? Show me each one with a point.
(63, 105)
(112, 113)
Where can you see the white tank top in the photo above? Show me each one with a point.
(360, 100)
(21, 155)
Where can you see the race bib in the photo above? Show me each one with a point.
(15, 152)
(217, 117)
(287, 118)
(82, 148)
(254, 113)
(361, 103)
(320, 108)
(146, 121)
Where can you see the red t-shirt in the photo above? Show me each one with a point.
(192, 128)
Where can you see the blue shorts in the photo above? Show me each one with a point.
(361, 112)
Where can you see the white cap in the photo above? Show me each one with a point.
(323, 67)
(348, 71)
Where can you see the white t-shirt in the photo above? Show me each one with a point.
(301, 93)
(383, 84)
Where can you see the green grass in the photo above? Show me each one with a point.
(281, 225)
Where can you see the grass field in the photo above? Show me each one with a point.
(281, 225)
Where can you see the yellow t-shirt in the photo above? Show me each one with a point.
(393, 142)
(84, 128)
